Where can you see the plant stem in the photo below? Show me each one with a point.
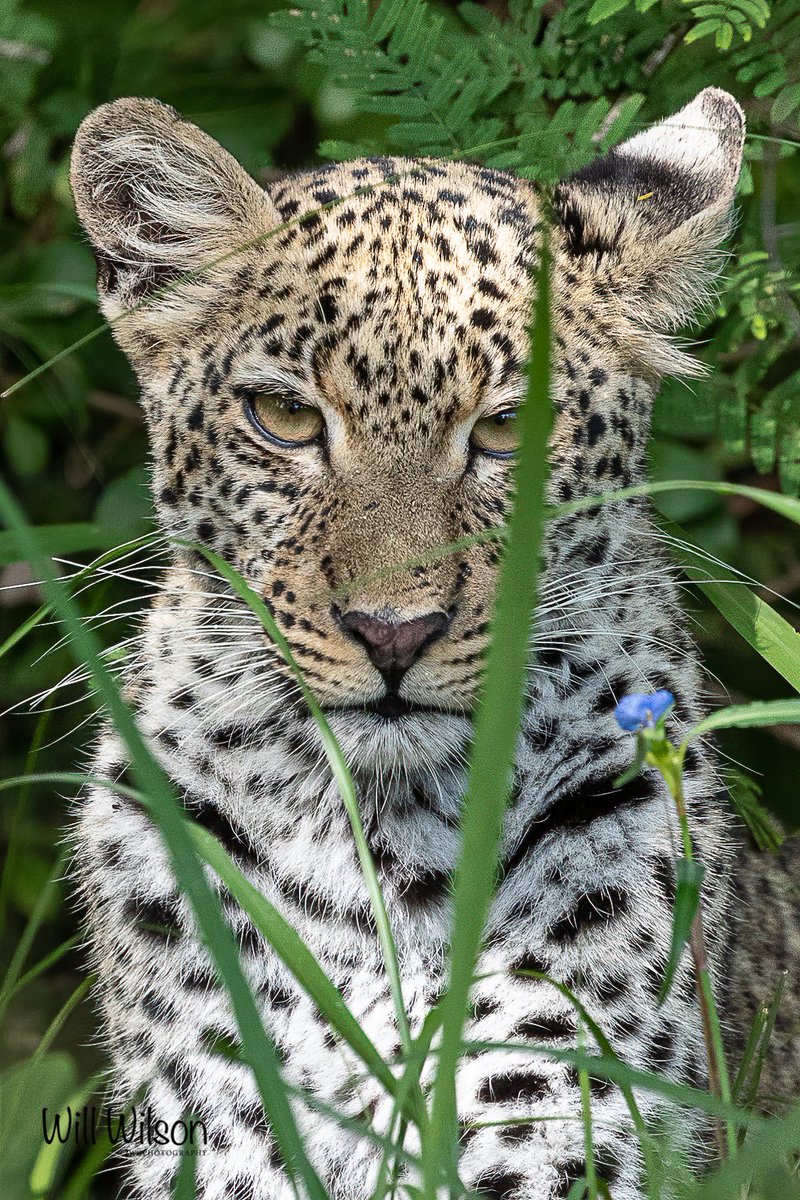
(718, 1078)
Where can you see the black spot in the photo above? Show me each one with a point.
(483, 318)
(541, 1029)
(517, 1087)
(512, 1135)
(195, 418)
(157, 1007)
(530, 961)
(595, 428)
(277, 995)
(598, 1086)
(328, 306)
(217, 1040)
(241, 1188)
(612, 987)
(232, 838)
(626, 1026)
(230, 737)
(662, 1049)
(253, 1116)
(598, 551)
(141, 1044)
(499, 1187)
(608, 1163)
(158, 919)
(325, 195)
(112, 850)
(218, 1137)
(664, 874)
(691, 760)
(591, 910)
(200, 979)
(427, 888)
(483, 1006)
(250, 939)
(569, 1172)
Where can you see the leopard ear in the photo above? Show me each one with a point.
(158, 198)
(646, 221)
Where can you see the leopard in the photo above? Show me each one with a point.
(331, 368)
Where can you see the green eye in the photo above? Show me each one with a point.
(497, 435)
(284, 420)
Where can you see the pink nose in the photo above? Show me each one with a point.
(393, 646)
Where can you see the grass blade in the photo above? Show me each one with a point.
(58, 1021)
(185, 1184)
(16, 818)
(688, 881)
(748, 716)
(586, 1113)
(767, 632)
(496, 727)
(29, 933)
(750, 1081)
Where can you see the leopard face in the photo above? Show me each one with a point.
(397, 343)
(331, 391)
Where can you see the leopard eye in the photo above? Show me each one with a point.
(498, 435)
(285, 421)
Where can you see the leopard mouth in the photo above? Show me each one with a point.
(390, 707)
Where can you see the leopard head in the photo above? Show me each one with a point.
(331, 366)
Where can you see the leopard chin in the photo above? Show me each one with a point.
(419, 738)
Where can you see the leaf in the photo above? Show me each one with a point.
(601, 10)
(26, 446)
(744, 794)
(785, 103)
(761, 626)
(688, 880)
(748, 716)
(635, 768)
(60, 541)
(25, 1090)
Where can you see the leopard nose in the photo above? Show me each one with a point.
(393, 646)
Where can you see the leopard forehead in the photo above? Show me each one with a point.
(400, 291)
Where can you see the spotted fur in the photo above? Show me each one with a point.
(395, 295)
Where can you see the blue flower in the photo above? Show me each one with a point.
(638, 711)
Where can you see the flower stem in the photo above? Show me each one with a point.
(671, 767)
